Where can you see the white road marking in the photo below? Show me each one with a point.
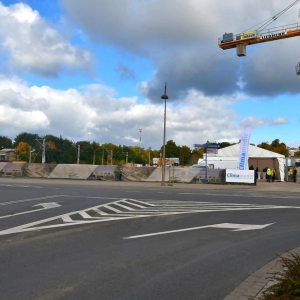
(142, 202)
(246, 195)
(65, 218)
(237, 227)
(134, 204)
(149, 208)
(85, 215)
(126, 207)
(22, 186)
(48, 205)
(21, 213)
(45, 206)
(31, 199)
(108, 206)
(100, 212)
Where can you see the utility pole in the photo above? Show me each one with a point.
(126, 153)
(149, 155)
(44, 152)
(78, 154)
(140, 130)
(111, 155)
(44, 149)
(102, 154)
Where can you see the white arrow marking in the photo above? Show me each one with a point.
(45, 206)
(237, 227)
(48, 205)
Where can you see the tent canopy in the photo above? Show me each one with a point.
(257, 157)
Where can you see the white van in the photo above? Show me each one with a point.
(219, 163)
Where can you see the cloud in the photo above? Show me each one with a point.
(124, 72)
(263, 121)
(30, 45)
(181, 39)
(94, 113)
(278, 121)
(253, 122)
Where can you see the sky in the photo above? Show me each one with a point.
(95, 70)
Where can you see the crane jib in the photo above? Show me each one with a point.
(229, 40)
(267, 36)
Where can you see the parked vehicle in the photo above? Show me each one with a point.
(219, 163)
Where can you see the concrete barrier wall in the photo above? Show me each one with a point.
(106, 172)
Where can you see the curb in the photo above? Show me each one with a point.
(253, 286)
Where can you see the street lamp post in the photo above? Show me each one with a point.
(164, 97)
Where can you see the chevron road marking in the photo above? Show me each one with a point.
(132, 208)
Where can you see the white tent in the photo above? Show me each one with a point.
(257, 157)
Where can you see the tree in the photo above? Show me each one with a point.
(185, 155)
(29, 138)
(60, 150)
(51, 151)
(172, 150)
(275, 146)
(265, 145)
(5, 142)
(224, 144)
(22, 151)
(196, 154)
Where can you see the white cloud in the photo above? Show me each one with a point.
(99, 116)
(278, 121)
(253, 122)
(31, 45)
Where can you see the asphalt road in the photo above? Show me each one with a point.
(78, 241)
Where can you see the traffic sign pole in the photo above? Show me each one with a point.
(207, 146)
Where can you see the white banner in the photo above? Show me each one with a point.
(244, 145)
(240, 176)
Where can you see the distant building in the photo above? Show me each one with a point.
(7, 155)
(171, 160)
(293, 151)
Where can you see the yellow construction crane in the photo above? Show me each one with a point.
(261, 35)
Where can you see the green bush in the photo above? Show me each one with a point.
(287, 286)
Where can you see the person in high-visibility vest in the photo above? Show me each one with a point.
(269, 174)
